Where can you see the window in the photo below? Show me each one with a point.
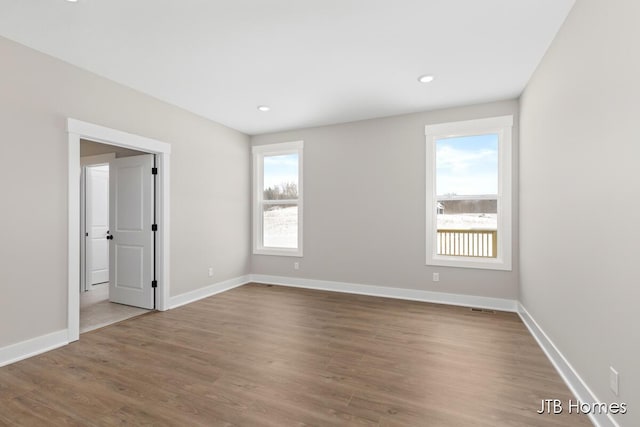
(277, 199)
(469, 193)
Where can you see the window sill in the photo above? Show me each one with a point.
(478, 263)
(278, 252)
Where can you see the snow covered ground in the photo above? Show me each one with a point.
(281, 227)
(468, 222)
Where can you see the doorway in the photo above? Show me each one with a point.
(125, 255)
(99, 302)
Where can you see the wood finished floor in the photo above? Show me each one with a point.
(275, 356)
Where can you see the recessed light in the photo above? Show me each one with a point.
(264, 108)
(72, 1)
(426, 78)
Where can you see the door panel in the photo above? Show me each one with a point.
(97, 224)
(130, 198)
(131, 217)
(130, 266)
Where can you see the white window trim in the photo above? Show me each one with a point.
(259, 152)
(503, 126)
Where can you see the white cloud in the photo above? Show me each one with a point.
(466, 172)
(462, 160)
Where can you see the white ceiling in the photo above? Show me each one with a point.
(314, 62)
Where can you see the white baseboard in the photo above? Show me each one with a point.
(207, 291)
(575, 383)
(32, 347)
(388, 292)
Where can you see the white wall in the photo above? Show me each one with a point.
(209, 185)
(364, 207)
(579, 192)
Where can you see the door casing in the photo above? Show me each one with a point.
(77, 130)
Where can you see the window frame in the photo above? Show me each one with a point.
(503, 127)
(259, 152)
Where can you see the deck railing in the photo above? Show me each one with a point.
(468, 243)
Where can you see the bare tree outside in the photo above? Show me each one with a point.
(283, 191)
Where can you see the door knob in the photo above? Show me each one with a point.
(109, 237)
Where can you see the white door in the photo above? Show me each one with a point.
(97, 224)
(94, 220)
(131, 249)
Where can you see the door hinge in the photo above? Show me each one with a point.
(154, 283)
(154, 227)
(154, 171)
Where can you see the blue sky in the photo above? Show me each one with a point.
(467, 165)
(280, 169)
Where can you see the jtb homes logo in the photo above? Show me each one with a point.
(556, 406)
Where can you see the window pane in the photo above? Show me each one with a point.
(467, 166)
(280, 226)
(281, 177)
(467, 187)
(467, 227)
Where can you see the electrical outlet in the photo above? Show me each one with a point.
(614, 377)
(436, 277)
(296, 265)
(210, 271)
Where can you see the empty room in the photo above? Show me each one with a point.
(323, 213)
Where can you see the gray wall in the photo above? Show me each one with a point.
(364, 206)
(579, 154)
(209, 185)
